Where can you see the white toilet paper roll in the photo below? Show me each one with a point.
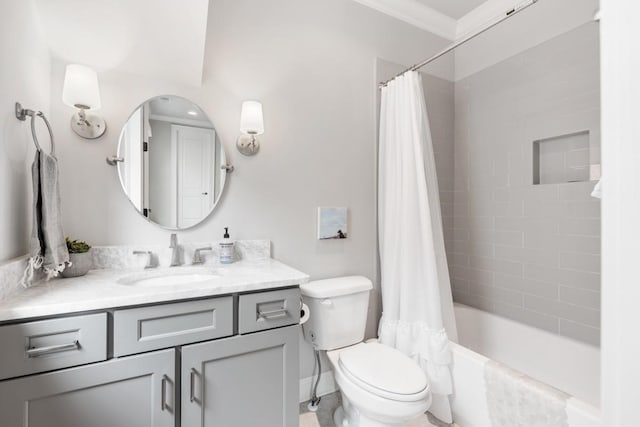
(304, 313)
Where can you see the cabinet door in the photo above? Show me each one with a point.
(248, 380)
(137, 391)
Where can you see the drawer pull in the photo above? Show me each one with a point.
(192, 391)
(273, 314)
(163, 397)
(43, 351)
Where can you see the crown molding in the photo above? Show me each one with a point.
(428, 19)
(416, 14)
(483, 14)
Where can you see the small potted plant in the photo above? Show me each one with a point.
(80, 257)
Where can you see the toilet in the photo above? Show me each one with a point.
(380, 386)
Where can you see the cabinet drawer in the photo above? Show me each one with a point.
(266, 310)
(131, 391)
(46, 345)
(149, 328)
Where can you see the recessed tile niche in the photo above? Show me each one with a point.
(562, 159)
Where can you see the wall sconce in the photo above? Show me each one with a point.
(80, 90)
(251, 124)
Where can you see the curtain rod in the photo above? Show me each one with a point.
(506, 15)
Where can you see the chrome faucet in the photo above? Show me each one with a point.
(175, 253)
(197, 255)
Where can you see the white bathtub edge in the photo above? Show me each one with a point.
(469, 405)
(582, 414)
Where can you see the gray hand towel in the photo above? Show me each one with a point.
(48, 248)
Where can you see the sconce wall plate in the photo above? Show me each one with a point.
(88, 126)
(248, 144)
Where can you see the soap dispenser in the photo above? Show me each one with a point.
(226, 248)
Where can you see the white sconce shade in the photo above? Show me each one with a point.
(251, 120)
(80, 90)
(80, 87)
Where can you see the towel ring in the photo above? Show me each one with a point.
(22, 113)
(33, 131)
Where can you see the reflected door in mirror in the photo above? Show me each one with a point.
(196, 157)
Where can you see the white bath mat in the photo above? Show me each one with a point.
(516, 400)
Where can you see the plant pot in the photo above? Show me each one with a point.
(80, 265)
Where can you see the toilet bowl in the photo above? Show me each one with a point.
(380, 386)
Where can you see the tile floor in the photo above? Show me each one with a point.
(328, 404)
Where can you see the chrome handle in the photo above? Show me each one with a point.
(42, 351)
(114, 160)
(273, 314)
(163, 394)
(192, 387)
(149, 255)
(197, 255)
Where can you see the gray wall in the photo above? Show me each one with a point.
(528, 252)
(312, 64)
(24, 77)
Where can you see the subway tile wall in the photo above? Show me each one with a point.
(527, 252)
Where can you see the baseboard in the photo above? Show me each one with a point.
(326, 386)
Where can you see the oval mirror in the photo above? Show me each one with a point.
(171, 162)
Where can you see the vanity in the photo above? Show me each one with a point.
(208, 345)
(158, 336)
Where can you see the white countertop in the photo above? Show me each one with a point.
(100, 289)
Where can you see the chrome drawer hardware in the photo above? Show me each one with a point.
(163, 397)
(43, 351)
(192, 388)
(273, 314)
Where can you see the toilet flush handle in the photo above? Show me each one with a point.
(326, 302)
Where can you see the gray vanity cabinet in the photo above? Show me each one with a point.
(246, 380)
(136, 391)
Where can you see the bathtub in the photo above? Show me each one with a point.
(565, 364)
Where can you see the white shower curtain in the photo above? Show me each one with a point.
(412, 257)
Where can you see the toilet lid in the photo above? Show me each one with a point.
(384, 371)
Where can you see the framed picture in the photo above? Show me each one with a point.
(332, 223)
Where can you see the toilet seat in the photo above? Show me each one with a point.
(384, 372)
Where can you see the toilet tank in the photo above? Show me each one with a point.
(338, 311)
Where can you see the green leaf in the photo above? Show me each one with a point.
(77, 246)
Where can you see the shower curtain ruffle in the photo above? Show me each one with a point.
(430, 348)
(413, 270)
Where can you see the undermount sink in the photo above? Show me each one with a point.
(179, 276)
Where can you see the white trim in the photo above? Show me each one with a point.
(620, 65)
(482, 14)
(326, 386)
(180, 121)
(438, 23)
(416, 14)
